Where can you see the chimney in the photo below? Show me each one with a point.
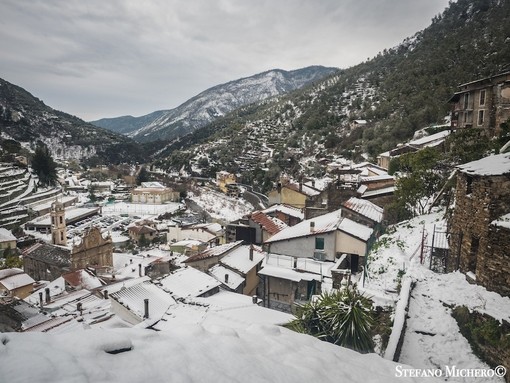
(254, 300)
(48, 296)
(226, 278)
(312, 226)
(146, 307)
(79, 307)
(295, 263)
(139, 269)
(105, 294)
(251, 252)
(41, 298)
(279, 187)
(313, 183)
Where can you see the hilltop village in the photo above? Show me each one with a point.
(139, 247)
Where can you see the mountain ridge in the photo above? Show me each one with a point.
(212, 103)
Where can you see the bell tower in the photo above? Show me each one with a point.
(58, 224)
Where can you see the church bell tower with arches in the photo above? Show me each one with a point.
(58, 224)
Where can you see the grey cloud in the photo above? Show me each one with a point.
(106, 58)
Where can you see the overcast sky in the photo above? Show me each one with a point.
(107, 58)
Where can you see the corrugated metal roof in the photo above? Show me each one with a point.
(133, 299)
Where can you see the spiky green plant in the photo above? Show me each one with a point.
(343, 317)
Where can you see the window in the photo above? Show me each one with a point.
(480, 117)
(319, 243)
(61, 222)
(469, 184)
(61, 236)
(482, 97)
(466, 100)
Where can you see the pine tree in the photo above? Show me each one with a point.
(44, 166)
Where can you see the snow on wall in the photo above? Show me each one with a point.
(399, 322)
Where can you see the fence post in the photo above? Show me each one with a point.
(422, 244)
(432, 247)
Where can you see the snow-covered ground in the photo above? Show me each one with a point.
(432, 338)
(221, 206)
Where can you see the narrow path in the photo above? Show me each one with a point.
(432, 338)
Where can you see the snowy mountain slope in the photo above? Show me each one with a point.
(212, 103)
(25, 118)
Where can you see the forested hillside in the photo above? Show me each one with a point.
(399, 91)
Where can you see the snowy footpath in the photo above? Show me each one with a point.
(432, 337)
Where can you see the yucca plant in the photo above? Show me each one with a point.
(342, 317)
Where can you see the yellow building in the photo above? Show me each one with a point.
(297, 195)
(153, 193)
(16, 283)
(7, 240)
(223, 179)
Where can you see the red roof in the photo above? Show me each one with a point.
(270, 224)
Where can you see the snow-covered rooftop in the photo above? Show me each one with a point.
(193, 353)
(429, 139)
(323, 224)
(215, 251)
(226, 276)
(494, 165)
(355, 229)
(365, 208)
(17, 280)
(188, 282)
(285, 209)
(6, 235)
(239, 258)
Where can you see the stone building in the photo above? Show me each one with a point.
(94, 251)
(483, 104)
(46, 262)
(480, 227)
(224, 180)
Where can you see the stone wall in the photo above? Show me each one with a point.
(480, 200)
(495, 261)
